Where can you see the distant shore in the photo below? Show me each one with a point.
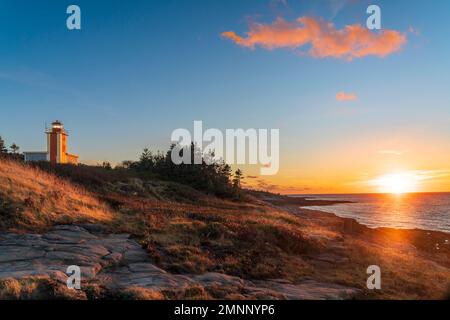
(284, 200)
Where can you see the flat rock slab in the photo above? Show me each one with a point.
(117, 262)
(54, 251)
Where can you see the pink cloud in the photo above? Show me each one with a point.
(414, 31)
(342, 96)
(353, 41)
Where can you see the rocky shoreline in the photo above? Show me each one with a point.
(114, 265)
(114, 262)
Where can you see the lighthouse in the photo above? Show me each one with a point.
(56, 147)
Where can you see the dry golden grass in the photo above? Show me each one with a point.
(36, 288)
(411, 266)
(33, 199)
(252, 240)
(137, 293)
(258, 241)
(247, 240)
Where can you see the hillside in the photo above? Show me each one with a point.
(31, 199)
(186, 244)
(183, 231)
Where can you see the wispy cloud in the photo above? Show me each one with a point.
(277, 3)
(353, 41)
(414, 31)
(342, 96)
(412, 176)
(432, 174)
(392, 152)
(258, 183)
(337, 5)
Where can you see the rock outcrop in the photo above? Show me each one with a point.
(116, 262)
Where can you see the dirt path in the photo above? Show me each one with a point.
(116, 262)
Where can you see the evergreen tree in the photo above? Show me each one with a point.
(238, 177)
(14, 148)
(3, 148)
(146, 160)
(106, 165)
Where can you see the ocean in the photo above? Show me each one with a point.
(430, 211)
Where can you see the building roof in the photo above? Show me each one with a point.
(35, 152)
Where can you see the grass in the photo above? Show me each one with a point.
(411, 267)
(36, 288)
(186, 231)
(244, 240)
(44, 288)
(31, 199)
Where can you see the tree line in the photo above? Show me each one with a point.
(210, 177)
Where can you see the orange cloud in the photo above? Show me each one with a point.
(353, 41)
(342, 96)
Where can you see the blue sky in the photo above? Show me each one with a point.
(140, 69)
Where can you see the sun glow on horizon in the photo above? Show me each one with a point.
(397, 183)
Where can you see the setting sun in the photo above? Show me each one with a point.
(397, 183)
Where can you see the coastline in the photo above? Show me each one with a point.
(297, 207)
(302, 203)
(404, 254)
(262, 247)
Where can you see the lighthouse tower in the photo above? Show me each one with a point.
(57, 145)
